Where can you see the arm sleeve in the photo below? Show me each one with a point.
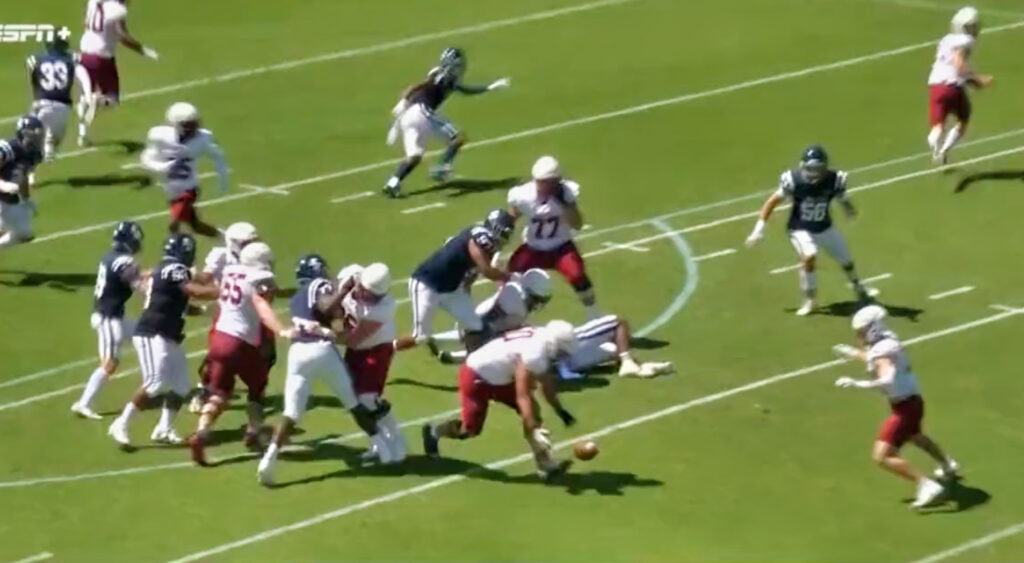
(150, 157)
(214, 151)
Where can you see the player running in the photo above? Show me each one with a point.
(172, 152)
(948, 81)
(246, 291)
(417, 118)
(550, 205)
(117, 278)
(443, 280)
(812, 187)
(888, 362)
(605, 340)
(313, 355)
(18, 158)
(158, 338)
(106, 26)
(51, 74)
(506, 370)
(508, 309)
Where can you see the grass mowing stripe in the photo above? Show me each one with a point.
(973, 544)
(451, 479)
(367, 50)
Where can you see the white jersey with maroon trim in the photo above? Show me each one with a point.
(495, 362)
(505, 310)
(547, 228)
(943, 71)
(238, 315)
(383, 311)
(218, 258)
(104, 20)
(176, 161)
(904, 383)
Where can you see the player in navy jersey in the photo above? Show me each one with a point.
(443, 279)
(812, 187)
(418, 117)
(116, 279)
(158, 338)
(18, 158)
(51, 74)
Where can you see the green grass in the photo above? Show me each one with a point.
(780, 472)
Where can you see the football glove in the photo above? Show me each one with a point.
(846, 382)
(846, 351)
(150, 53)
(757, 234)
(500, 83)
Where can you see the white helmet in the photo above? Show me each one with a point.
(560, 338)
(182, 112)
(537, 283)
(868, 316)
(349, 272)
(964, 17)
(237, 235)
(546, 168)
(376, 278)
(257, 255)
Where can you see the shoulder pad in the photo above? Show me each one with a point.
(6, 150)
(841, 179)
(885, 347)
(175, 272)
(122, 262)
(483, 238)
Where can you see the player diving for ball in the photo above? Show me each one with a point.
(888, 362)
(812, 187)
(417, 117)
(18, 158)
(605, 340)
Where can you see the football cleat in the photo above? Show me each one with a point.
(392, 192)
(441, 172)
(430, 442)
(195, 406)
(197, 447)
(806, 309)
(118, 430)
(948, 472)
(629, 368)
(651, 369)
(85, 412)
(265, 471)
(928, 491)
(166, 436)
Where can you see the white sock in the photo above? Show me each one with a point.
(394, 434)
(808, 283)
(92, 387)
(626, 357)
(951, 139)
(933, 137)
(166, 418)
(129, 411)
(394, 182)
(272, 450)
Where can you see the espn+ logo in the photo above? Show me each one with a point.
(24, 33)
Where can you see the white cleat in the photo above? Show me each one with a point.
(83, 142)
(166, 436)
(928, 491)
(949, 472)
(265, 471)
(85, 412)
(651, 369)
(629, 368)
(118, 430)
(940, 158)
(806, 309)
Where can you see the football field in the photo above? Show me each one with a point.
(676, 117)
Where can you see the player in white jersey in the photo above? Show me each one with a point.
(506, 370)
(606, 340)
(106, 27)
(948, 81)
(888, 362)
(172, 152)
(246, 290)
(549, 204)
(507, 309)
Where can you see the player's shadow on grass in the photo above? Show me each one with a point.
(135, 180)
(423, 384)
(965, 183)
(644, 343)
(591, 381)
(848, 308)
(130, 147)
(69, 282)
(605, 483)
(466, 186)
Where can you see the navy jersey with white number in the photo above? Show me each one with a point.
(114, 279)
(446, 269)
(441, 82)
(16, 162)
(53, 75)
(164, 314)
(811, 200)
(303, 306)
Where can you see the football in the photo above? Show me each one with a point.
(585, 451)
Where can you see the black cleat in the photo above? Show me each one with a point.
(393, 193)
(430, 442)
(445, 357)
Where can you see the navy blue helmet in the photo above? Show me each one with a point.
(128, 235)
(311, 266)
(453, 57)
(181, 247)
(814, 162)
(500, 223)
(30, 130)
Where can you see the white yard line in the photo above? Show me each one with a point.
(952, 292)
(949, 8)
(624, 246)
(131, 166)
(452, 479)
(718, 254)
(255, 188)
(553, 127)
(359, 195)
(35, 558)
(879, 277)
(426, 207)
(367, 50)
(784, 269)
(973, 544)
